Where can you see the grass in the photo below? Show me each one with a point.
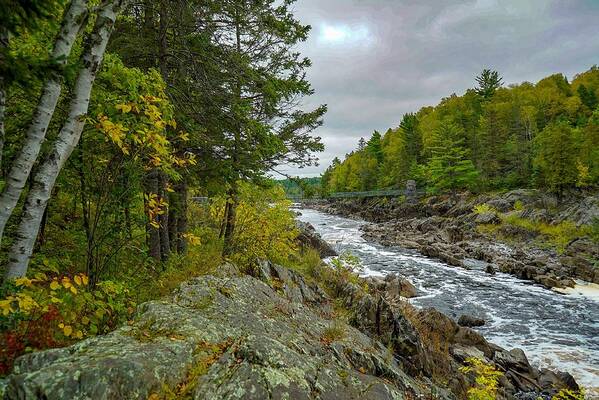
(334, 332)
(556, 236)
(205, 355)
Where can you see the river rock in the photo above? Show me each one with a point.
(397, 286)
(310, 238)
(470, 321)
(490, 269)
(486, 218)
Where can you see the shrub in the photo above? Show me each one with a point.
(567, 394)
(558, 235)
(53, 311)
(265, 226)
(483, 209)
(486, 378)
(518, 205)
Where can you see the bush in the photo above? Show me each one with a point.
(265, 226)
(486, 378)
(567, 394)
(54, 310)
(558, 235)
(483, 209)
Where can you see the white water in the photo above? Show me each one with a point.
(557, 331)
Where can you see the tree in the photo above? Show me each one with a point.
(409, 127)
(268, 78)
(488, 82)
(588, 97)
(555, 157)
(374, 148)
(23, 163)
(44, 179)
(449, 167)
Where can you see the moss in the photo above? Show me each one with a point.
(205, 355)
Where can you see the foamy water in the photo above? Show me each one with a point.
(556, 330)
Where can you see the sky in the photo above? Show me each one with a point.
(375, 60)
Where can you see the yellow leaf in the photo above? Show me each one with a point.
(85, 279)
(67, 330)
(85, 320)
(41, 276)
(6, 307)
(54, 285)
(77, 280)
(125, 108)
(61, 325)
(79, 335)
(73, 289)
(23, 282)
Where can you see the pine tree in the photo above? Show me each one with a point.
(449, 168)
(488, 82)
(556, 157)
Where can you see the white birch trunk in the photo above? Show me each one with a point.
(20, 169)
(3, 93)
(45, 178)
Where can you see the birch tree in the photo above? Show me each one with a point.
(73, 20)
(44, 179)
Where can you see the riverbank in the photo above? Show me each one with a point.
(555, 331)
(277, 333)
(526, 233)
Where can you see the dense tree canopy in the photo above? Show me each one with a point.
(541, 135)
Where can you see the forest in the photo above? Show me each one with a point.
(114, 116)
(532, 135)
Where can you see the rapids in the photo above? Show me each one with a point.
(557, 331)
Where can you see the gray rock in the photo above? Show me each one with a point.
(262, 342)
(470, 321)
(310, 238)
(487, 218)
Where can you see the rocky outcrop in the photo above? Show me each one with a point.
(310, 238)
(273, 336)
(230, 337)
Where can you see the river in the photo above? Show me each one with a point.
(556, 331)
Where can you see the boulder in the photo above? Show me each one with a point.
(310, 238)
(486, 218)
(397, 286)
(470, 321)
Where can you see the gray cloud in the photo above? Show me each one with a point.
(374, 60)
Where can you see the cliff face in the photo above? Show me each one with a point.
(274, 335)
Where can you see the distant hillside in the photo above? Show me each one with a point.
(306, 187)
(543, 135)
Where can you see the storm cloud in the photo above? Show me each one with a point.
(374, 60)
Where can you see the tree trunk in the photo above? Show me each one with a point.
(3, 91)
(21, 167)
(182, 218)
(68, 137)
(165, 247)
(230, 222)
(153, 233)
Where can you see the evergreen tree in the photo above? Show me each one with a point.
(374, 148)
(488, 82)
(556, 156)
(449, 168)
